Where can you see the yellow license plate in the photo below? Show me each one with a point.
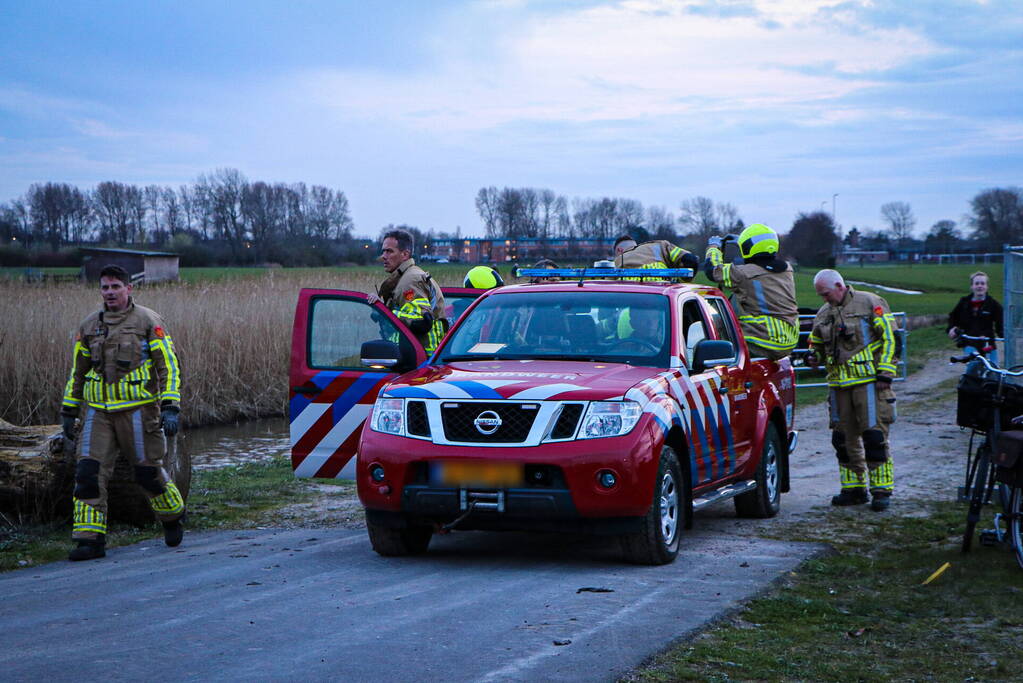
(473, 473)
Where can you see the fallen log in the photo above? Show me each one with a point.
(37, 477)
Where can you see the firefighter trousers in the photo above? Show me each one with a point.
(860, 418)
(137, 434)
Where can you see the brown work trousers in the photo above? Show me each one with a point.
(858, 409)
(137, 434)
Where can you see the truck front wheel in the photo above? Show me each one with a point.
(765, 499)
(658, 542)
(392, 542)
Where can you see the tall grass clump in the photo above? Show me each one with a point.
(233, 338)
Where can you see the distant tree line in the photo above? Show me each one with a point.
(221, 217)
(515, 213)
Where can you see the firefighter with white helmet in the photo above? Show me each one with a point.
(764, 288)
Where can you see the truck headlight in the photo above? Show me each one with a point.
(389, 416)
(609, 418)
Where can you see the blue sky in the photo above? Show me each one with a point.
(410, 107)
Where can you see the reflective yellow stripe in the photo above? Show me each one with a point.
(850, 479)
(169, 502)
(783, 335)
(69, 399)
(714, 256)
(88, 518)
(726, 275)
(883, 477)
(171, 390)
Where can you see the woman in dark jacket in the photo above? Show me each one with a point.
(977, 314)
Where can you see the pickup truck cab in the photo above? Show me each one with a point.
(608, 406)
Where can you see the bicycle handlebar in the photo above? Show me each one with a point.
(988, 364)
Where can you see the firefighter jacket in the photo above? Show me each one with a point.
(656, 254)
(417, 301)
(122, 360)
(856, 339)
(766, 294)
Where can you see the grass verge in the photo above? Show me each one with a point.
(863, 613)
(231, 498)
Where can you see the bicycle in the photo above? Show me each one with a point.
(981, 401)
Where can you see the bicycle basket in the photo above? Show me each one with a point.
(1007, 458)
(975, 408)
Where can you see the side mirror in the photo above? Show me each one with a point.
(380, 354)
(711, 352)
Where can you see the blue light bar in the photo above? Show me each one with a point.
(606, 273)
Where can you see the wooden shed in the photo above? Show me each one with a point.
(148, 266)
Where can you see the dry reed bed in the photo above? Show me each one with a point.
(233, 339)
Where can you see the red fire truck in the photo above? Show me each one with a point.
(589, 401)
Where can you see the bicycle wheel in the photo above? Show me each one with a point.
(979, 491)
(1016, 524)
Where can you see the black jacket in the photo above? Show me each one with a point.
(985, 321)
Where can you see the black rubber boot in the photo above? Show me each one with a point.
(881, 501)
(850, 497)
(173, 532)
(89, 550)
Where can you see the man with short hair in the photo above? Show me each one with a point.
(126, 376)
(854, 332)
(764, 287)
(653, 254)
(410, 292)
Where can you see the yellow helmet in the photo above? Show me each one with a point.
(757, 239)
(482, 277)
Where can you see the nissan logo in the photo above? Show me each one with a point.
(487, 422)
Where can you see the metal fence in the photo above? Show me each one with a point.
(1012, 305)
(902, 333)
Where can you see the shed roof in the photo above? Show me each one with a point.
(105, 250)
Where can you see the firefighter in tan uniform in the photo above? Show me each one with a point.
(764, 288)
(125, 385)
(410, 292)
(655, 254)
(854, 332)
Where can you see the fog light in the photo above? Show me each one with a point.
(607, 478)
(376, 472)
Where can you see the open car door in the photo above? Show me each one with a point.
(331, 392)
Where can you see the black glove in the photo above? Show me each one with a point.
(67, 423)
(884, 381)
(169, 420)
(690, 260)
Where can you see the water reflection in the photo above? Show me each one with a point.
(237, 444)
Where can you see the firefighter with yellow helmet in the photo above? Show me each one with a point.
(764, 290)
(410, 292)
(125, 385)
(482, 277)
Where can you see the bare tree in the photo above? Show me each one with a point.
(486, 206)
(900, 219)
(998, 216)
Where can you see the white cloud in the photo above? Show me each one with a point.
(624, 61)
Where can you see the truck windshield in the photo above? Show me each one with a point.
(614, 327)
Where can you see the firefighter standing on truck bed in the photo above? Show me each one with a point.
(764, 287)
(410, 292)
(125, 375)
(655, 254)
(854, 332)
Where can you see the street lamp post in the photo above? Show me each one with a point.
(834, 218)
(823, 204)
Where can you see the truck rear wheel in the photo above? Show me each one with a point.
(765, 500)
(392, 542)
(659, 540)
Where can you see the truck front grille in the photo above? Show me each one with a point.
(516, 421)
(418, 422)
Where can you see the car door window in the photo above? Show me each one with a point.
(337, 329)
(694, 328)
(722, 322)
